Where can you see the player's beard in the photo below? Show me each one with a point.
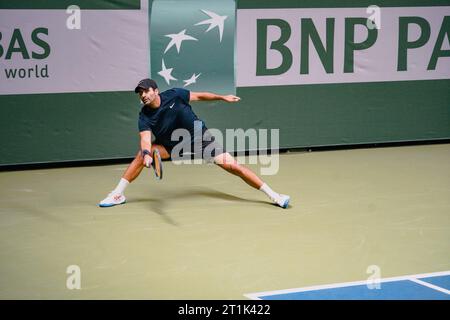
(150, 100)
(147, 102)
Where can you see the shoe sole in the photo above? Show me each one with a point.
(110, 204)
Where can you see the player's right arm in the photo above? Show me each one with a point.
(146, 147)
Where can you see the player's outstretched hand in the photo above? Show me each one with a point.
(231, 98)
(147, 161)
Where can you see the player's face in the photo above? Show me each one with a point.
(147, 96)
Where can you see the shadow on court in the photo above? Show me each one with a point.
(33, 212)
(159, 205)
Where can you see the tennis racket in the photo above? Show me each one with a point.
(157, 164)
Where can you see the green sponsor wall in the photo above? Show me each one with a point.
(40, 128)
(351, 113)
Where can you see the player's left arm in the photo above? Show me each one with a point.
(209, 96)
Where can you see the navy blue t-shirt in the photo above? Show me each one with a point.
(173, 113)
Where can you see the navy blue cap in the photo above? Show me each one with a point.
(146, 84)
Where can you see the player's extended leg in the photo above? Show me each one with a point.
(228, 163)
(131, 173)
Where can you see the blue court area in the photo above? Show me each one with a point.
(442, 281)
(414, 288)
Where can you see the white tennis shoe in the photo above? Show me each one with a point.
(283, 201)
(112, 199)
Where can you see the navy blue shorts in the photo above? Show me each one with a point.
(207, 149)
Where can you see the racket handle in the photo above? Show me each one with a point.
(147, 161)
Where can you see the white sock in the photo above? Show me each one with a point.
(123, 183)
(270, 193)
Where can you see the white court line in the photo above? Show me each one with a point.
(429, 285)
(258, 295)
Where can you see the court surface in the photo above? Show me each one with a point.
(201, 233)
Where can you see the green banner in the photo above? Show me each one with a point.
(192, 44)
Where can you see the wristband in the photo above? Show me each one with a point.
(145, 152)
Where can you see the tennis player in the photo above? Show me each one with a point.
(163, 113)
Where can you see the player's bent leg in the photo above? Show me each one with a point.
(134, 169)
(117, 196)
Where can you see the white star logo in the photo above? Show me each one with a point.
(191, 80)
(166, 73)
(177, 39)
(215, 21)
